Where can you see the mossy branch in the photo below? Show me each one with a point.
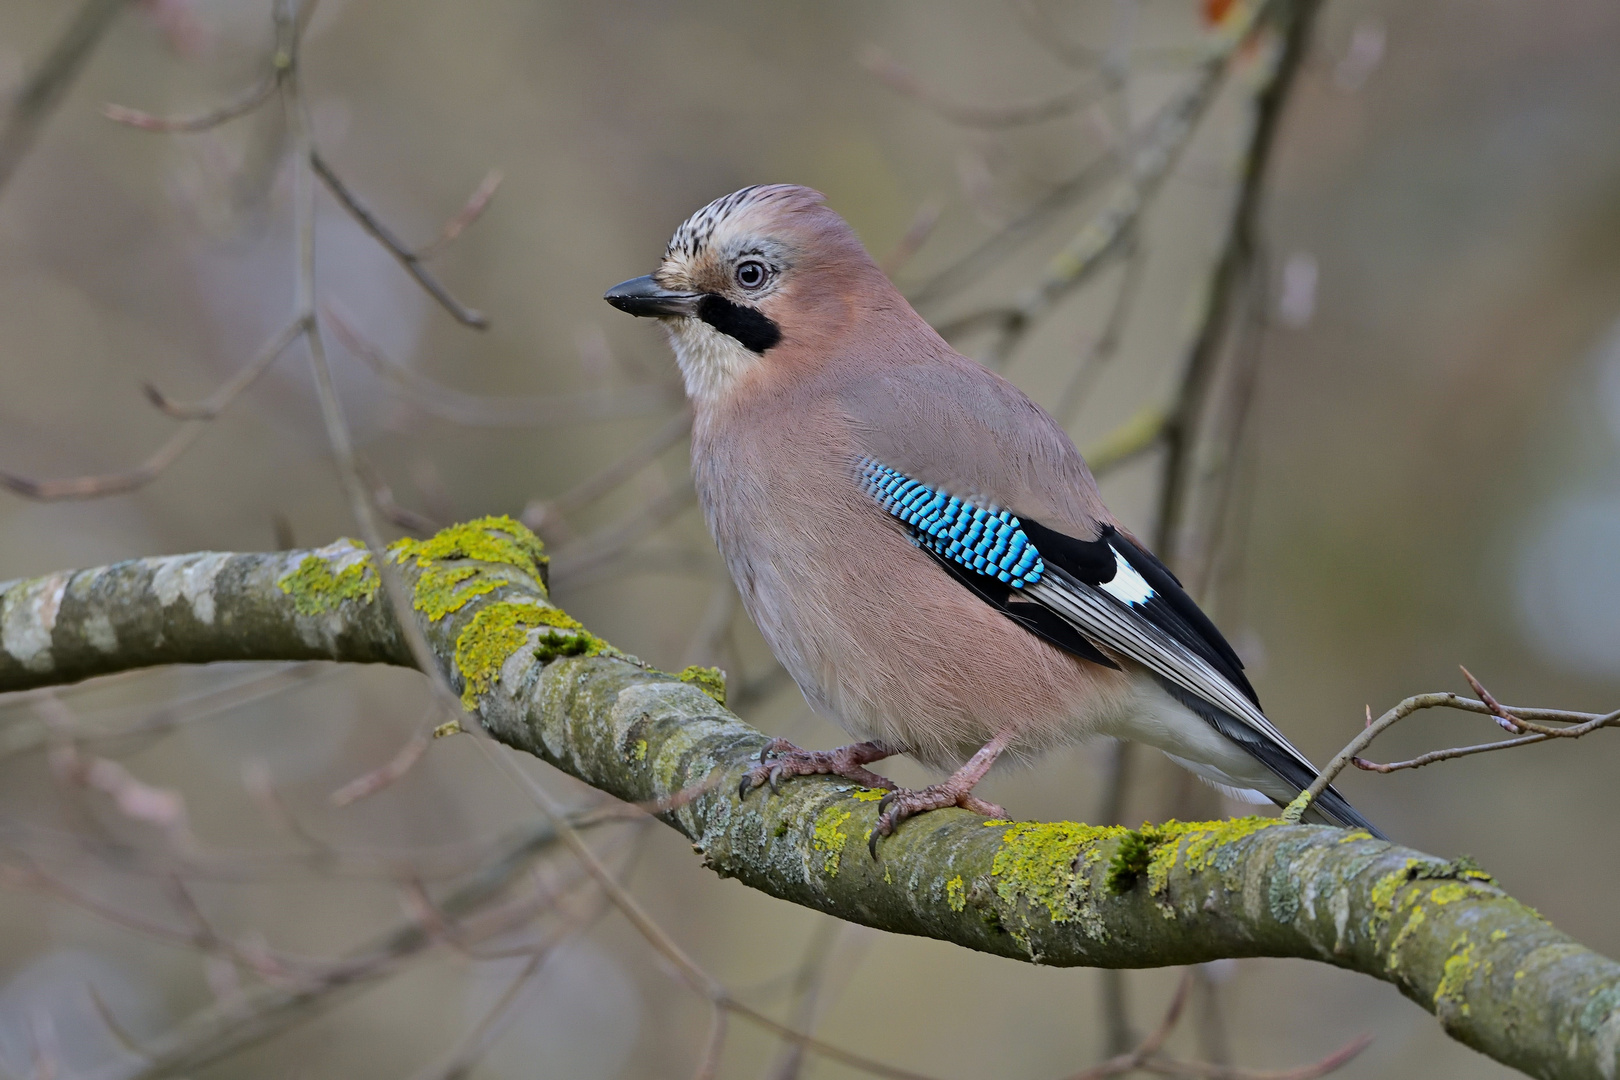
(1496, 974)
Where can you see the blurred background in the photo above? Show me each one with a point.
(1425, 361)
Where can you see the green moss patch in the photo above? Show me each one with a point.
(1156, 850)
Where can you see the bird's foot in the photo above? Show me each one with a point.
(780, 760)
(902, 803)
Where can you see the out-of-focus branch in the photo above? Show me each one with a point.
(44, 90)
(1202, 384)
(1150, 157)
(407, 256)
(249, 100)
(901, 80)
(1146, 1055)
(196, 416)
(1497, 975)
(479, 410)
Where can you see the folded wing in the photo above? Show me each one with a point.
(1097, 599)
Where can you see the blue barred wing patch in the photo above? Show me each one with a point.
(983, 539)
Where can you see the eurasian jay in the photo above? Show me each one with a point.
(920, 544)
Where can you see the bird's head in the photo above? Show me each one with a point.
(761, 269)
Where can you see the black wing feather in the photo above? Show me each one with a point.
(1178, 616)
(1041, 621)
(1170, 609)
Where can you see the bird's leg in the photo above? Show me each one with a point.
(957, 790)
(779, 759)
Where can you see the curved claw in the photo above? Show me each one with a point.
(872, 841)
(774, 778)
(746, 786)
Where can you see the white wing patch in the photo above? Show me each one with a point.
(1127, 585)
(1127, 633)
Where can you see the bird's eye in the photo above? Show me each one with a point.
(750, 273)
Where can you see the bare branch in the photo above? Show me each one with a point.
(916, 234)
(600, 549)
(1581, 724)
(409, 259)
(709, 1064)
(119, 483)
(477, 410)
(244, 103)
(476, 204)
(901, 80)
(44, 90)
(1153, 149)
(1144, 1057)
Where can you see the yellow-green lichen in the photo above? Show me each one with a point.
(1382, 895)
(640, 752)
(444, 584)
(1459, 968)
(448, 728)
(1413, 922)
(829, 837)
(500, 629)
(956, 893)
(315, 589)
(1449, 893)
(867, 794)
(710, 680)
(1035, 865)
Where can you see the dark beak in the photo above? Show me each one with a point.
(644, 296)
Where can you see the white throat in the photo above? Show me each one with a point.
(710, 361)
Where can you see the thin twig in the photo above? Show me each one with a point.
(342, 444)
(474, 208)
(901, 80)
(478, 410)
(921, 228)
(1105, 345)
(543, 515)
(44, 90)
(1198, 381)
(601, 548)
(709, 1064)
(240, 106)
(807, 983)
(1581, 724)
(217, 402)
(382, 496)
(1134, 1058)
(688, 970)
(379, 778)
(409, 259)
(197, 416)
(1165, 131)
(1144, 1057)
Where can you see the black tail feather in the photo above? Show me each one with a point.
(1331, 807)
